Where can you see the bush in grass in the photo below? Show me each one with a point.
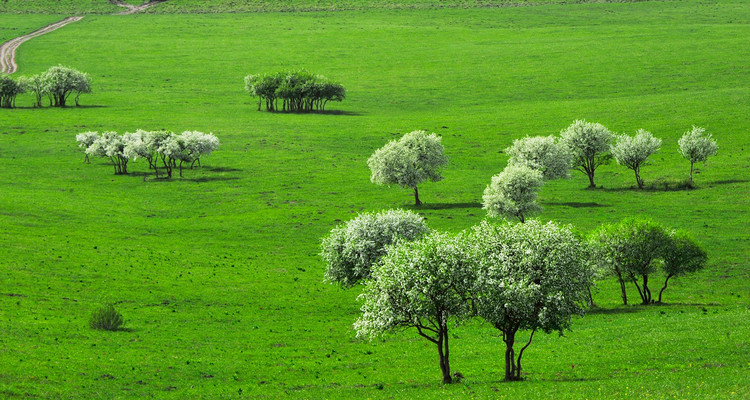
(409, 161)
(300, 91)
(106, 318)
(60, 82)
(351, 250)
(85, 140)
(696, 146)
(589, 143)
(633, 151)
(422, 285)
(9, 89)
(513, 193)
(527, 277)
(548, 155)
(682, 255)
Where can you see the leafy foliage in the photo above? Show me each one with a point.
(9, 89)
(633, 151)
(548, 155)
(409, 161)
(696, 146)
(682, 255)
(589, 142)
(351, 250)
(106, 318)
(60, 82)
(513, 192)
(300, 91)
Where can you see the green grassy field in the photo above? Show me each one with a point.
(217, 274)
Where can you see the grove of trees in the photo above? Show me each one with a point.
(58, 83)
(299, 91)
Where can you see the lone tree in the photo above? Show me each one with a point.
(351, 250)
(547, 155)
(631, 249)
(418, 285)
(60, 82)
(633, 151)
(409, 161)
(682, 255)
(530, 276)
(513, 193)
(696, 146)
(589, 143)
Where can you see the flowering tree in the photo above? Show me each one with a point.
(589, 143)
(60, 82)
(682, 255)
(547, 155)
(513, 192)
(530, 276)
(85, 140)
(9, 89)
(34, 84)
(633, 151)
(351, 250)
(696, 146)
(409, 161)
(420, 285)
(110, 145)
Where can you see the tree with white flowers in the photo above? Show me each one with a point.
(110, 145)
(548, 155)
(527, 277)
(60, 82)
(409, 161)
(197, 145)
(421, 285)
(85, 140)
(9, 89)
(352, 249)
(633, 151)
(513, 192)
(589, 143)
(696, 146)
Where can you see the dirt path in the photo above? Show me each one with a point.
(8, 49)
(131, 9)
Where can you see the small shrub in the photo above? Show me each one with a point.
(106, 318)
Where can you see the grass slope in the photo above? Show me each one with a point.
(217, 273)
(68, 7)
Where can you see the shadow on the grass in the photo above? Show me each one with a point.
(443, 206)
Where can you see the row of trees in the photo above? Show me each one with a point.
(172, 150)
(58, 83)
(516, 277)
(299, 91)
(583, 146)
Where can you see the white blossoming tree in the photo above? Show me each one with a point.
(60, 82)
(110, 145)
(548, 155)
(85, 140)
(632, 152)
(513, 193)
(351, 250)
(421, 285)
(409, 161)
(527, 277)
(696, 146)
(589, 143)
(682, 255)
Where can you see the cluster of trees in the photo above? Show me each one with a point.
(57, 84)
(299, 91)
(516, 277)
(172, 150)
(583, 146)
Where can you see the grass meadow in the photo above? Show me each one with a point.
(217, 274)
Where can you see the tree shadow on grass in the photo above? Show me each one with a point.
(443, 206)
(613, 311)
(728, 182)
(210, 179)
(221, 169)
(576, 204)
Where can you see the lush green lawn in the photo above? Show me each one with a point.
(58, 6)
(217, 273)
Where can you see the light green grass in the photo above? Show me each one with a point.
(69, 7)
(18, 25)
(217, 274)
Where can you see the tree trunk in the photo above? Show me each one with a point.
(417, 202)
(665, 286)
(521, 218)
(646, 291)
(623, 292)
(591, 298)
(640, 292)
(444, 353)
(691, 175)
(510, 365)
(638, 177)
(520, 355)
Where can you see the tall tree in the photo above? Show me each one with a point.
(589, 142)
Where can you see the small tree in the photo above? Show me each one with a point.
(547, 155)
(633, 151)
(351, 250)
(682, 255)
(60, 82)
(513, 192)
(409, 161)
(197, 145)
(110, 145)
(420, 285)
(696, 146)
(529, 276)
(589, 144)
(35, 84)
(9, 89)
(85, 140)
